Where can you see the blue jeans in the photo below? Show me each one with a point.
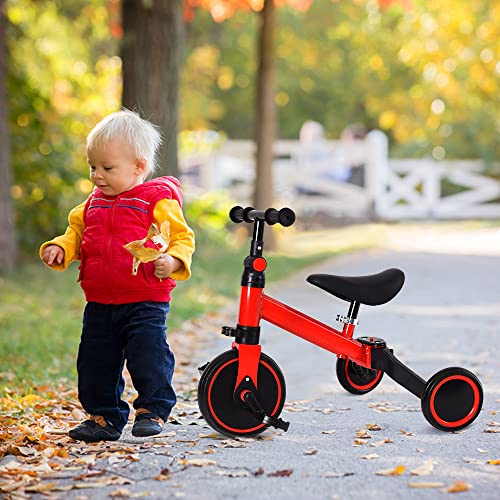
(113, 334)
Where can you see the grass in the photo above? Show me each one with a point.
(40, 311)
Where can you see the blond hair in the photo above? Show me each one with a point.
(143, 136)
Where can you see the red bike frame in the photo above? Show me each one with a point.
(256, 305)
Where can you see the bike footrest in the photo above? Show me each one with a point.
(277, 422)
(256, 408)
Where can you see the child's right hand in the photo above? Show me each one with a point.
(53, 254)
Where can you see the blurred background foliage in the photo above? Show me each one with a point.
(428, 74)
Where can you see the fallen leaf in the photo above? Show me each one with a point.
(480, 450)
(281, 473)
(427, 484)
(232, 473)
(337, 474)
(474, 461)
(233, 443)
(164, 475)
(120, 493)
(370, 456)
(198, 462)
(363, 434)
(333, 431)
(381, 443)
(40, 488)
(373, 427)
(396, 471)
(359, 442)
(405, 433)
(310, 451)
(492, 430)
(459, 486)
(425, 469)
(494, 462)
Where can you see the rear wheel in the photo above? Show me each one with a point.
(216, 388)
(452, 399)
(355, 378)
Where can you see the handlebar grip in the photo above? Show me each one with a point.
(285, 216)
(236, 214)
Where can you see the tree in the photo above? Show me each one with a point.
(265, 126)
(7, 230)
(151, 55)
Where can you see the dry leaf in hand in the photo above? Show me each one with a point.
(160, 237)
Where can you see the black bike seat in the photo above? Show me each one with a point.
(372, 290)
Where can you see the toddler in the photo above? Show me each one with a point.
(125, 315)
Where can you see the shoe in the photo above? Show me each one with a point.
(146, 424)
(93, 430)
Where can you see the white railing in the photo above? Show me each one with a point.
(354, 179)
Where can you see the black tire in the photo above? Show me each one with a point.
(357, 379)
(215, 395)
(452, 399)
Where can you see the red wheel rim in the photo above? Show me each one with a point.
(209, 398)
(361, 387)
(469, 415)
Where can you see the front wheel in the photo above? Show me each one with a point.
(216, 388)
(452, 399)
(355, 378)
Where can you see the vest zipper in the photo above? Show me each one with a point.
(108, 254)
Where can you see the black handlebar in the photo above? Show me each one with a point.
(285, 216)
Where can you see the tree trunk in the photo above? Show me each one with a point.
(265, 120)
(151, 54)
(8, 250)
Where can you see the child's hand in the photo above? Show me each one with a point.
(166, 265)
(53, 254)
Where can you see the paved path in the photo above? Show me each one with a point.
(448, 314)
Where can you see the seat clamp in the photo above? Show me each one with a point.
(347, 319)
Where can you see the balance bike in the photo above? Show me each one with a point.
(242, 391)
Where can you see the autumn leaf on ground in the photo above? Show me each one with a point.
(425, 469)
(370, 456)
(232, 473)
(426, 484)
(494, 462)
(381, 443)
(458, 487)
(281, 473)
(310, 451)
(396, 471)
(198, 462)
(373, 427)
(405, 433)
(163, 475)
(363, 434)
(337, 474)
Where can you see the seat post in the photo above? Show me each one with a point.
(353, 310)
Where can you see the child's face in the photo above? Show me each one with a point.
(114, 168)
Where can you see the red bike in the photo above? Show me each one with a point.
(242, 391)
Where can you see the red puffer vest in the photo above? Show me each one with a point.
(111, 222)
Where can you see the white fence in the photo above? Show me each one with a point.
(354, 179)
